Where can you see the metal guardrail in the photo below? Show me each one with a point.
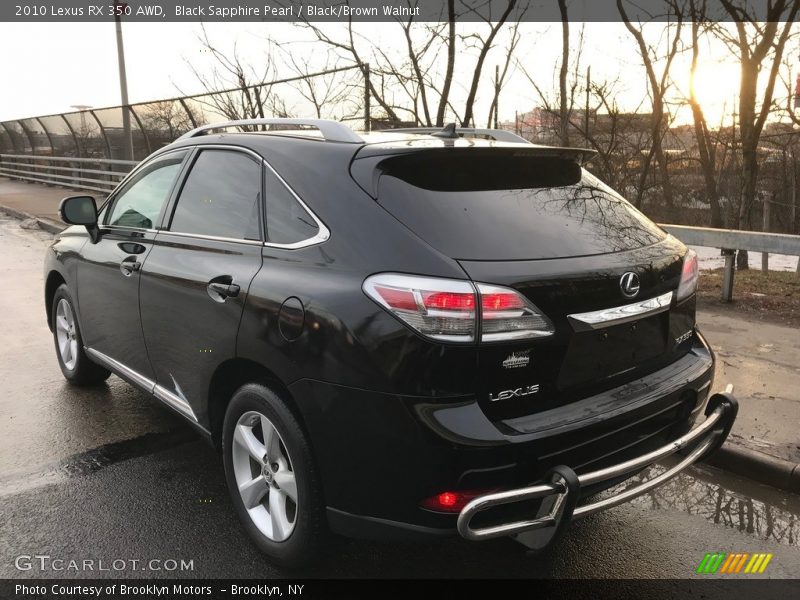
(730, 240)
(91, 174)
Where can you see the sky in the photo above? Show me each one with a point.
(55, 66)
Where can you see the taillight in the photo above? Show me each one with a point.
(689, 276)
(443, 309)
(446, 309)
(508, 315)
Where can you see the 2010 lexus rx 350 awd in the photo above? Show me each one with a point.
(399, 334)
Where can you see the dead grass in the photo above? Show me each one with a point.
(772, 296)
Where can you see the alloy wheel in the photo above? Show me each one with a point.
(66, 334)
(264, 476)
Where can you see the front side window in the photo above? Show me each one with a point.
(221, 197)
(139, 203)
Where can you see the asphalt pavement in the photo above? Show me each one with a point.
(107, 474)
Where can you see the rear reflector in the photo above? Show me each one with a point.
(451, 502)
(689, 276)
(446, 309)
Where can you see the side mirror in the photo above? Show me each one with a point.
(80, 210)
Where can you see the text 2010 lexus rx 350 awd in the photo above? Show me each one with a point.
(406, 334)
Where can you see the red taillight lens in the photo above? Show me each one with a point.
(443, 309)
(689, 276)
(508, 315)
(501, 301)
(449, 300)
(399, 299)
(451, 502)
(446, 309)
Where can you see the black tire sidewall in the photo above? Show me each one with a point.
(309, 532)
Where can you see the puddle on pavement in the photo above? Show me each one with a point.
(726, 500)
(93, 460)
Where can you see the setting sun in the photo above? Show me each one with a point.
(716, 86)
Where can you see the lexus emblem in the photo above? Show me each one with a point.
(629, 284)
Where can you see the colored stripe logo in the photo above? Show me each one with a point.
(734, 562)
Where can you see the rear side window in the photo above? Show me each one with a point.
(287, 221)
(509, 205)
(221, 197)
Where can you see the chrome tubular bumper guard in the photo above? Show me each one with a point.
(560, 489)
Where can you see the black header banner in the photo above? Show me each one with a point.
(343, 11)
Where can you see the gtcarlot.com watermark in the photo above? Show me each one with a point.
(46, 563)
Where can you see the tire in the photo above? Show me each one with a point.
(76, 366)
(280, 503)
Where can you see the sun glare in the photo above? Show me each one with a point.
(716, 87)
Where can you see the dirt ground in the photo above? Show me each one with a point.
(773, 296)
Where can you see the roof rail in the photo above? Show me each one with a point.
(332, 131)
(499, 135)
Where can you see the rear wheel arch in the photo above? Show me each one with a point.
(232, 375)
(54, 280)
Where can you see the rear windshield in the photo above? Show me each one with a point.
(510, 208)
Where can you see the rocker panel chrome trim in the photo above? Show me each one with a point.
(145, 383)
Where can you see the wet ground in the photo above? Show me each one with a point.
(108, 474)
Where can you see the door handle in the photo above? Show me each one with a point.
(221, 288)
(129, 266)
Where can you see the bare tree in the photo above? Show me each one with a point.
(417, 86)
(562, 75)
(706, 144)
(658, 85)
(759, 47)
(251, 98)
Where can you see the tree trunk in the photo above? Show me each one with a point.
(563, 116)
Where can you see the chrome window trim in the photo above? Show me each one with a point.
(608, 317)
(159, 391)
(126, 228)
(212, 238)
(323, 233)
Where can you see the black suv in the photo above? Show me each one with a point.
(397, 334)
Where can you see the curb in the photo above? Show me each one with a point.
(760, 467)
(44, 224)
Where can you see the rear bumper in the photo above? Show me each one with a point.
(380, 454)
(561, 488)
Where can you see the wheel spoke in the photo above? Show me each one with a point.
(73, 349)
(61, 323)
(253, 492)
(287, 483)
(271, 439)
(245, 438)
(277, 514)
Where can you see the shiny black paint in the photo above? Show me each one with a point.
(188, 334)
(108, 300)
(392, 417)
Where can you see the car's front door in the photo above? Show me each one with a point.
(196, 278)
(108, 276)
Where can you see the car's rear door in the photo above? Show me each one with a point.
(109, 273)
(195, 282)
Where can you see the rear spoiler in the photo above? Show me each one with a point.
(366, 168)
